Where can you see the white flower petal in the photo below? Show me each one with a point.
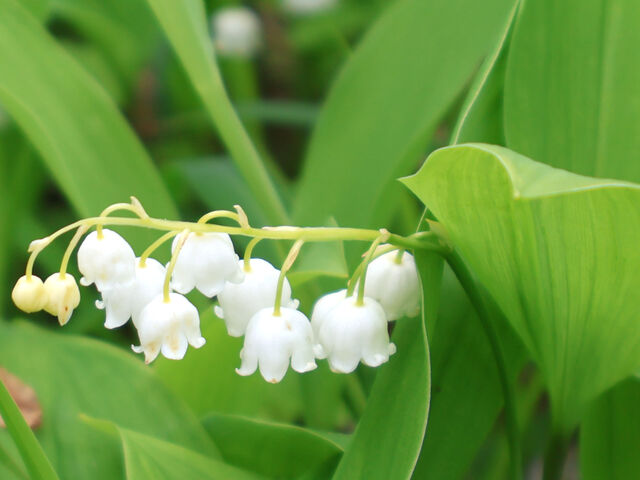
(324, 306)
(205, 262)
(351, 333)
(396, 286)
(168, 327)
(105, 261)
(175, 346)
(257, 290)
(273, 341)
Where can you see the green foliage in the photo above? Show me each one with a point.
(88, 87)
(570, 77)
(386, 102)
(34, 458)
(74, 375)
(385, 417)
(146, 457)
(271, 449)
(89, 148)
(534, 235)
(610, 434)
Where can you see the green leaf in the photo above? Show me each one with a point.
(481, 117)
(30, 450)
(123, 30)
(220, 388)
(73, 375)
(557, 251)
(272, 449)
(571, 75)
(147, 457)
(466, 396)
(610, 434)
(185, 25)
(398, 404)
(386, 103)
(91, 151)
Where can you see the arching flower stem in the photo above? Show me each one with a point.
(288, 262)
(172, 264)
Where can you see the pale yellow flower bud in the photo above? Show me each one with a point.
(29, 294)
(63, 296)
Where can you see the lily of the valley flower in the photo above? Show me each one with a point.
(236, 32)
(62, 295)
(394, 284)
(323, 306)
(106, 260)
(272, 341)
(168, 327)
(350, 333)
(29, 294)
(241, 301)
(126, 300)
(206, 262)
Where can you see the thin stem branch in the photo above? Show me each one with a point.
(372, 249)
(72, 245)
(247, 253)
(154, 246)
(508, 391)
(172, 264)
(288, 262)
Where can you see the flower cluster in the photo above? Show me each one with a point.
(347, 327)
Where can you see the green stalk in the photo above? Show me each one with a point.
(34, 458)
(184, 23)
(508, 391)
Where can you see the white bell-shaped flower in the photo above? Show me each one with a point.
(105, 261)
(206, 262)
(168, 327)
(350, 333)
(241, 301)
(322, 306)
(126, 300)
(29, 294)
(394, 284)
(236, 32)
(307, 7)
(62, 296)
(272, 341)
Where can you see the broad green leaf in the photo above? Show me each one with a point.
(37, 8)
(185, 25)
(219, 388)
(466, 396)
(90, 150)
(123, 30)
(481, 116)
(73, 375)
(571, 79)
(148, 457)
(387, 101)
(387, 441)
(557, 252)
(610, 434)
(275, 450)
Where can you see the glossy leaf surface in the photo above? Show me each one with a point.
(556, 251)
